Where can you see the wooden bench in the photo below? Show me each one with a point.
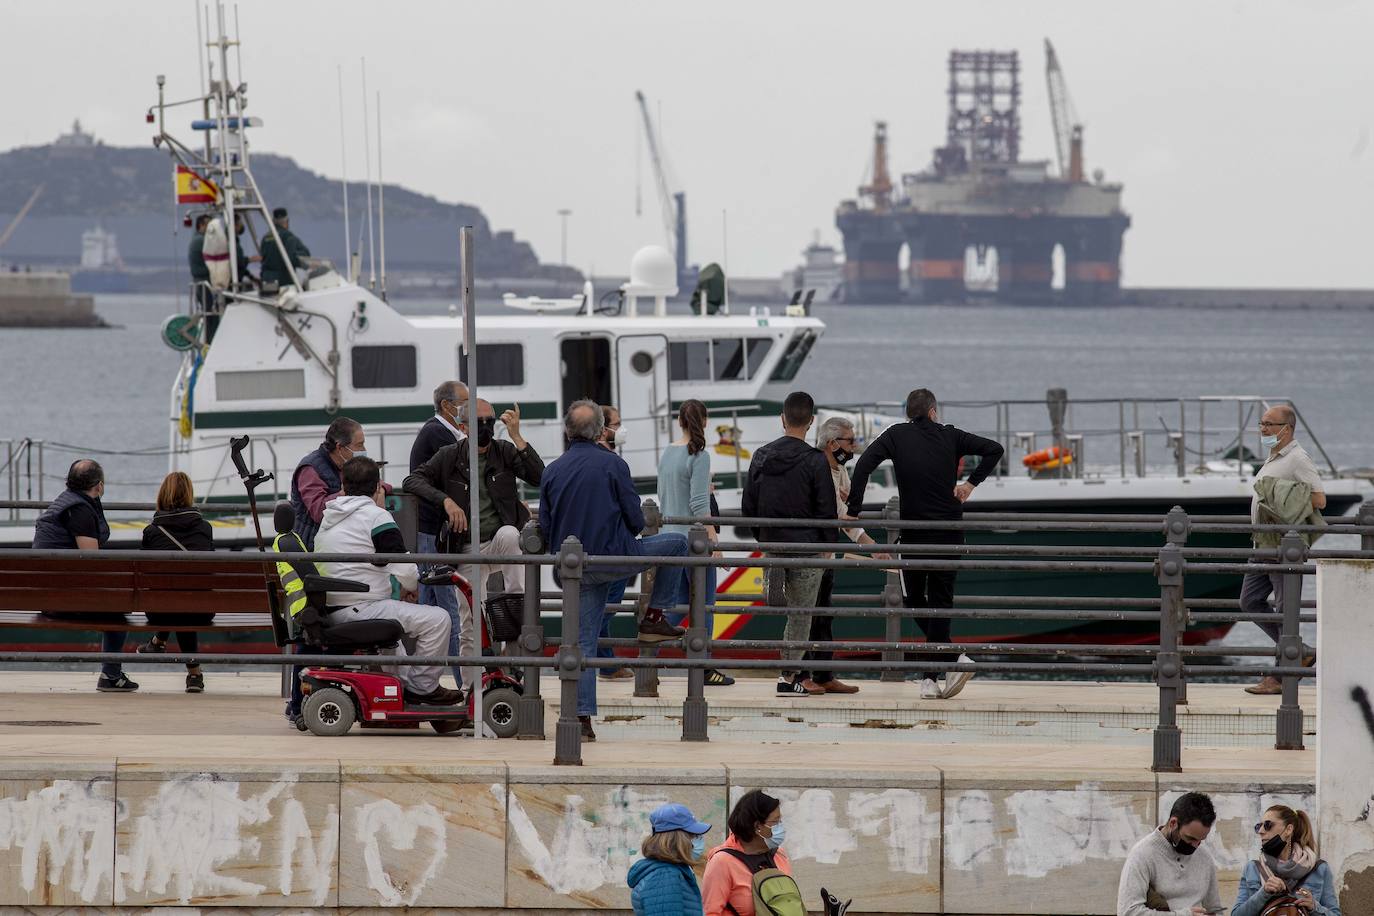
(87, 590)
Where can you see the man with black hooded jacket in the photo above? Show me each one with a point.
(789, 478)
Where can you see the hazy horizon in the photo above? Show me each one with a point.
(1242, 132)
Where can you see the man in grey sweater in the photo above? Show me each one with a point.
(1166, 871)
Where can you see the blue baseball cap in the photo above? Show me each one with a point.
(676, 817)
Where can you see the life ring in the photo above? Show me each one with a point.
(1048, 458)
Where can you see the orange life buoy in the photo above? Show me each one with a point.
(1052, 457)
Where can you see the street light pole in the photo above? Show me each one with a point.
(563, 256)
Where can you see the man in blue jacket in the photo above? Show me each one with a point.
(589, 494)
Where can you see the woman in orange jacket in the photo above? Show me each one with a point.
(755, 841)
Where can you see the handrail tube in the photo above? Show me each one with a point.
(1001, 613)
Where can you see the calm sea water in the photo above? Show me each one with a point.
(110, 389)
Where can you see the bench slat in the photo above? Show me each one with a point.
(57, 599)
(29, 620)
(75, 581)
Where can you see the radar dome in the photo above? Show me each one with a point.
(653, 270)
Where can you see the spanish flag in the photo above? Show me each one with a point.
(192, 189)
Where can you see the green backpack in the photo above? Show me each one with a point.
(775, 892)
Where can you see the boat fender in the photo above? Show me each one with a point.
(1051, 457)
(216, 253)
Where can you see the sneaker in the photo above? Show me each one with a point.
(715, 679)
(658, 630)
(151, 648)
(586, 725)
(195, 682)
(956, 680)
(930, 690)
(120, 684)
(792, 688)
(1267, 687)
(439, 696)
(834, 686)
(618, 674)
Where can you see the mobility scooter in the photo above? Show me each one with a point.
(336, 697)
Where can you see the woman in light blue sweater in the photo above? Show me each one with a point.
(1287, 864)
(684, 489)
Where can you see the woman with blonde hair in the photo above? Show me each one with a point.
(1287, 870)
(178, 526)
(662, 883)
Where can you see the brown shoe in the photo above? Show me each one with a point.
(1267, 687)
(586, 723)
(834, 686)
(812, 687)
(658, 630)
(619, 674)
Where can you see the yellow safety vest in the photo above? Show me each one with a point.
(291, 582)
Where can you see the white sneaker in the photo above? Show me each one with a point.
(955, 680)
(930, 690)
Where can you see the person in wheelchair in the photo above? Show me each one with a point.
(356, 522)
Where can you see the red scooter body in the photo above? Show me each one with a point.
(336, 697)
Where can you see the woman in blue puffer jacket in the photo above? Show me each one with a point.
(662, 883)
(1287, 867)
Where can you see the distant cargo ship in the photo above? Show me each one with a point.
(102, 269)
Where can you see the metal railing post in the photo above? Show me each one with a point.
(567, 749)
(1364, 517)
(1177, 526)
(694, 709)
(892, 600)
(530, 711)
(1288, 719)
(646, 678)
(1168, 739)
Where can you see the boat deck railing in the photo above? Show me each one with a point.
(1170, 663)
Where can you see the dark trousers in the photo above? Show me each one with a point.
(930, 589)
(110, 640)
(1254, 599)
(822, 630)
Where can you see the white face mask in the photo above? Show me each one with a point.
(621, 436)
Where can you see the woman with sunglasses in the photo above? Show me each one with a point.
(1287, 866)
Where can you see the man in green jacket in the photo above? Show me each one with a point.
(274, 269)
(1287, 461)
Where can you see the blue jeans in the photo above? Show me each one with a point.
(615, 595)
(112, 641)
(597, 583)
(444, 596)
(684, 596)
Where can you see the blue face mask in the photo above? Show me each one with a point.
(1269, 442)
(698, 846)
(779, 835)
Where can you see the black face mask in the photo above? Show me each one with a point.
(1182, 846)
(842, 456)
(486, 430)
(1273, 846)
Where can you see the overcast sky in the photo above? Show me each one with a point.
(1241, 130)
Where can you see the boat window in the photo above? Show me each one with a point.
(793, 357)
(758, 352)
(259, 384)
(689, 361)
(499, 365)
(727, 359)
(389, 366)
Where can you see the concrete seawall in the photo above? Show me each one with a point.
(959, 829)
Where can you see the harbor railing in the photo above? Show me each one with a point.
(1170, 662)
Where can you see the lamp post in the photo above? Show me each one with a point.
(563, 256)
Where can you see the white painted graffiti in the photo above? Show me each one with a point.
(68, 829)
(591, 846)
(402, 828)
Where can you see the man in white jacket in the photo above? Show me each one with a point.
(356, 522)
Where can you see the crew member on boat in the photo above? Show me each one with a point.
(925, 458)
(274, 269)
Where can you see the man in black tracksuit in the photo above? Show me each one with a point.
(925, 460)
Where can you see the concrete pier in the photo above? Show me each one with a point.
(160, 799)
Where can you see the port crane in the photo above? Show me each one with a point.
(673, 204)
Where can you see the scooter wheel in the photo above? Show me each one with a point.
(329, 712)
(501, 711)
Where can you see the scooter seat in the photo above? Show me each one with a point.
(361, 635)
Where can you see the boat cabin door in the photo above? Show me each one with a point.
(644, 399)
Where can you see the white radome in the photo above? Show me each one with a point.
(653, 272)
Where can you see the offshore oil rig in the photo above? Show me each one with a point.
(979, 220)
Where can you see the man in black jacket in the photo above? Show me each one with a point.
(442, 482)
(439, 430)
(788, 478)
(925, 458)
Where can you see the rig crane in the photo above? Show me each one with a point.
(1068, 130)
(879, 191)
(673, 204)
(23, 212)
